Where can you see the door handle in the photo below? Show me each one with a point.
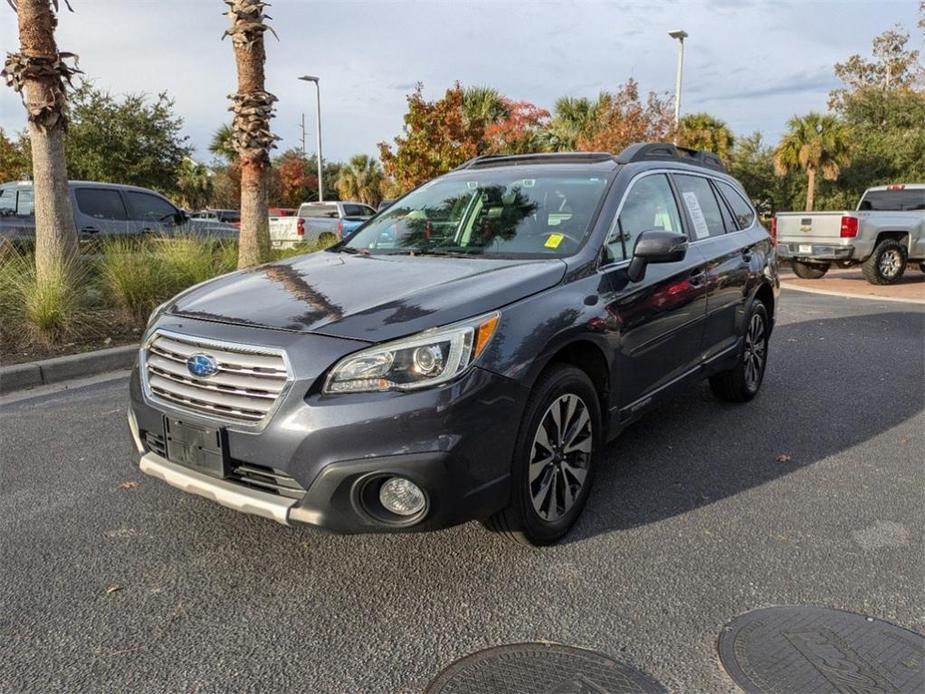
(89, 230)
(698, 279)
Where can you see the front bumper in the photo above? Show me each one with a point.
(454, 441)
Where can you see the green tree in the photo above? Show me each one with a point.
(132, 139)
(705, 132)
(194, 184)
(574, 118)
(814, 144)
(361, 179)
(222, 144)
(15, 164)
(436, 138)
(483, 106)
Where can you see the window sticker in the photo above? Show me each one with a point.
(699, 221)
(554, 240)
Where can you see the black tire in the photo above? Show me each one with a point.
(922, 267)
(742, 382)
(809, 271)
(521, 521)
(886, 264)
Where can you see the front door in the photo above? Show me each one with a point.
(657, 323)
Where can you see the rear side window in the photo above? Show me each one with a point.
(702, 207)
(100, 203)
(893, 200)
(24, 203)
(319, 211)
(8, 201)
(741, 210)
(149, 208)
(649, 204)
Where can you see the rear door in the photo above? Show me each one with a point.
(101, 211)
(659, 320)
(728, 255)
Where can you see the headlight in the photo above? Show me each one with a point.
(422, 360)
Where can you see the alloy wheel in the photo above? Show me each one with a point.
(890, 263)
(560, 457)
(755, 351)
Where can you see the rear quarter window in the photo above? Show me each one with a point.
(741, 210)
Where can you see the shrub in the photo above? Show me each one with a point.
(132, 275)
(46, 310)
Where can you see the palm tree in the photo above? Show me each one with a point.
(222, 144)
(703, 131)
(252, 140)
(194, 183)
(813, 143)
(572, 118)
(361, 179)
(39, 72)
(483, 105)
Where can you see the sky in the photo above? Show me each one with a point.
(753, 63)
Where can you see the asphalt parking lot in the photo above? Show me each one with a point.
(811, 494)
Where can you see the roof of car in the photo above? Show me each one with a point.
(95, 184)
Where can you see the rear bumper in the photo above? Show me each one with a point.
(814, 251)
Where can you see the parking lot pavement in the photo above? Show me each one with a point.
(851, 282)
(811, 494)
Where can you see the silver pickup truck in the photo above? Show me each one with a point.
(882, 235)
(336, 220)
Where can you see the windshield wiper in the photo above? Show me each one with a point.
(353, 251)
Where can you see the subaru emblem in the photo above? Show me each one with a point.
(202, 365)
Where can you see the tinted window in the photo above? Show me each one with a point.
(318, 211)
(149, 207)
(100, 203)
(230, 216)
(8, 201)
(894, 200)
(702, 207)
(489, 212)
(743, 212)
(24, 206)
(649, 204)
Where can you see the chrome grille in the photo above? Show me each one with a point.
(245, 388)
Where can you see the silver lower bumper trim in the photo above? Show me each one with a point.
(230, 494)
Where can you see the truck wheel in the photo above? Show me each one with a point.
(742, 382)
(886, 264)
(554, 458)
(809, 271)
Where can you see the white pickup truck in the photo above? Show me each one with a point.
(318, 221)
(882, 235)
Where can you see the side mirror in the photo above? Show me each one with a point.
(181, 218)
(655, 246)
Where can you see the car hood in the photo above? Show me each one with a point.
(366, 297)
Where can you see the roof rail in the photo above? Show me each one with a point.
(663, 151)
(488, 160)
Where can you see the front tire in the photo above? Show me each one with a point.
(554, 458)
(809, 271)
(886, 264)
(742, 382)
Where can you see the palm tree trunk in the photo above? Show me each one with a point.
(38, 72)
(810, 188)
(252, 139)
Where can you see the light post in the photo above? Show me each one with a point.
(311, 78)
(680, 35)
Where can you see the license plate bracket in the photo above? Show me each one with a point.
(200, 448)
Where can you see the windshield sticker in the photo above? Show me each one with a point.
(700, 222)
(554, 240)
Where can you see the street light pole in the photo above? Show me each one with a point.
(680, 35)
(311, 78)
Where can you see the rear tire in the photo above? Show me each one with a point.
(886, 264)
(809, 271)
(554, 458)
(742, 382)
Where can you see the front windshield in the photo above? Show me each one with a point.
(487, 213)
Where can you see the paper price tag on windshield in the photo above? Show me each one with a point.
(554, 240)
(699, 221)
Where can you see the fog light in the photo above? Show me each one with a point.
(402, 497)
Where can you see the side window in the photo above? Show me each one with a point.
(149, 208)
(100, 203)
(24, 202)
(649, 204)
(743, 212)
(367, 211)
(8, 201)
(702, 208)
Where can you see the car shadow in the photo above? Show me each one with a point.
(830, 386)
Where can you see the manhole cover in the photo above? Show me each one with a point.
(813, 649)
(540, 668)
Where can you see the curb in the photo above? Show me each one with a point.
(57, 369)
(845, 295)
